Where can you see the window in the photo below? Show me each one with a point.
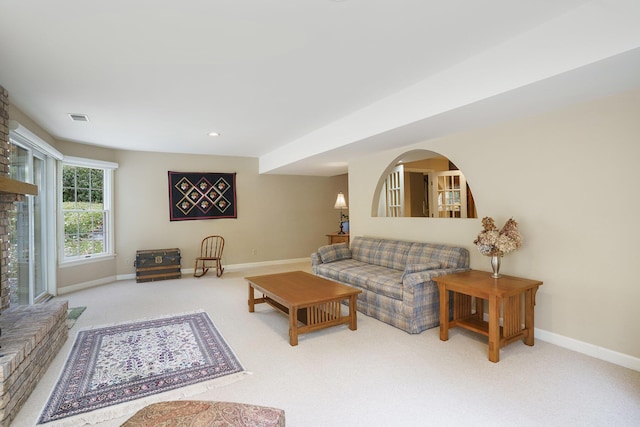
(86, 208)
(31, 264)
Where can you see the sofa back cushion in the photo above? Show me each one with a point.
(447, 256)
(398, 253)
(382, 252)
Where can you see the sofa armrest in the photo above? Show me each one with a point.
(315, 259)
(413, 280)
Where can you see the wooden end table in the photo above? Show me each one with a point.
(337, 238)
(305, 298)
(506, 292)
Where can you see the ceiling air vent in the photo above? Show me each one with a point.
(79, 117)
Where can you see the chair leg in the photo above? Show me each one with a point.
(204, 269)
(219, 268)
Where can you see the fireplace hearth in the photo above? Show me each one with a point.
(32, 336)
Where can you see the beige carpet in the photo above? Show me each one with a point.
(375, 376)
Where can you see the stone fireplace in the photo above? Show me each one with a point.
(30, 335)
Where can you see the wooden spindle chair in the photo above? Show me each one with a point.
(210, 256)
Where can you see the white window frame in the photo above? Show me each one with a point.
(108, 200)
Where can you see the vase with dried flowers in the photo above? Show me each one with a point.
(496, 243)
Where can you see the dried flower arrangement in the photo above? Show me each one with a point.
(492, 242)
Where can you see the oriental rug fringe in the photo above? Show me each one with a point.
(116, 370)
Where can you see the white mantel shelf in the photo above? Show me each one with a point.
(8, 185)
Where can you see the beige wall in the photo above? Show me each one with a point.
(279, 217)
(17, 115)
(86, 151)
(569, 179)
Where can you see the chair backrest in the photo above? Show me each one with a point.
(211, 247)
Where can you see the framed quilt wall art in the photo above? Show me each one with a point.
(202, 195)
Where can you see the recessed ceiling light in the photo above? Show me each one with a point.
(79, 117)
(214, 134)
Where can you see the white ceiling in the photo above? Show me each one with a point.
(305, 85)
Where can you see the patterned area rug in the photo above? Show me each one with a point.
(115, 370)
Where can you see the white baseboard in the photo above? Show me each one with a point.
(230, 267)
(130, 276)
(592, 350)
(589, 349)
(235, 267)
(86, 285)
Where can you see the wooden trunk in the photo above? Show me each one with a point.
(157, 264)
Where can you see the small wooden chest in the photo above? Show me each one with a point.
(157, 264)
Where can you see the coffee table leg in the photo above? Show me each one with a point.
(293, 325)
(251, 299)
(353, 323)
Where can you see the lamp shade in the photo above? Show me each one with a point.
(341, 203)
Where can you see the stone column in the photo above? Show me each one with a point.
(6, 199)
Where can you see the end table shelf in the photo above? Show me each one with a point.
(480, 326)
(510, 293)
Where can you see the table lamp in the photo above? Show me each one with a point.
(341, 204)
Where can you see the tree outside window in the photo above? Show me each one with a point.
(84, 211)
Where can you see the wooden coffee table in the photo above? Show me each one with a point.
(307, 299)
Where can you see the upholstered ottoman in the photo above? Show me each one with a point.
(195, 413)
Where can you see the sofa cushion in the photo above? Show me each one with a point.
(389, 284)
(332, 253)
(358, 276)
(382, 252)
(332, 270)
(448, 256)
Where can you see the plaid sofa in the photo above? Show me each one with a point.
(395, 277)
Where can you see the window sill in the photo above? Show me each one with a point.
(84, 261)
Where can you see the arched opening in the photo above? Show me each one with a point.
(423, 183)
